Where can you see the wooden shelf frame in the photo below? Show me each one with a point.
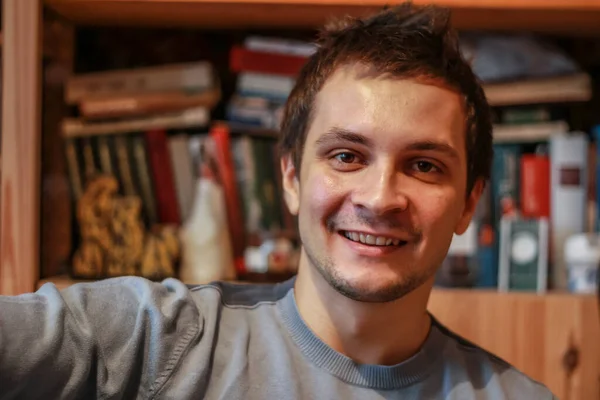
(566, 17)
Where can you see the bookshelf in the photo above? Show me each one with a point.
(556, 16)
(500, 322)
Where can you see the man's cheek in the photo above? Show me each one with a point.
(437, 211)
(322, 191)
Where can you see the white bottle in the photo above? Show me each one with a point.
(206, 246)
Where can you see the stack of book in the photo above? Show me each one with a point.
(136, 125)
(267, 70)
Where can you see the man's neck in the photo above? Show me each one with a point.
(368, 333)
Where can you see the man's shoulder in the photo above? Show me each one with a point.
(485, 371)
(238, 295)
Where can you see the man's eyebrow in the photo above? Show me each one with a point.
(340, 134)
(434, 146)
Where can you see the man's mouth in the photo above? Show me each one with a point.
(372, 240)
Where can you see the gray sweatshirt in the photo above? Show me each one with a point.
(128, 338)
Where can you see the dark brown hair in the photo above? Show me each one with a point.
(406, 41)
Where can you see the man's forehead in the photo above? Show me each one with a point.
(352, 97)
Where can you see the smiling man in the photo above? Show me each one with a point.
(386, 147)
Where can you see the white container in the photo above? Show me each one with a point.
(582, 257)
(206, 253)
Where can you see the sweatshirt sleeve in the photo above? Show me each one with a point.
(119, 339)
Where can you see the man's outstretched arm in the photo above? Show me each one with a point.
(118, 338)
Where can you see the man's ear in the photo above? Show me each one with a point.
(291, 186)
(470, 205)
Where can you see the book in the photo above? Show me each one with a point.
(528, 133)
(272, 87)
(190, 77)
(189, 118)
(245, 60)
(142, 172)
(523, 255)
(136, 105)
(280, 45)
(568, 158)
(253, 111)
(162, 175)
(525, 115)
(219, 133)
(505, 180)
(571, 88)
(535, 186)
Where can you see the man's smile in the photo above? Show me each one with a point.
(372, 239)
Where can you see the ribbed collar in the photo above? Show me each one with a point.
(380, 377)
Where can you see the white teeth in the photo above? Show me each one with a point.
(371, 239)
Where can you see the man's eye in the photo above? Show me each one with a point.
(425, 167)
(346, 158)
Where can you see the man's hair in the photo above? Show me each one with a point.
(405, 41)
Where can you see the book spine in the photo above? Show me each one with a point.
(280, 46)
(568, 155)
(145, 104)
(89, 161)
(272, 87)
(142, 174)
(505, 181)
(191, 117)
(189, 77)
(244, 60)
(106, 159)
(124, 164)
(74, 170)
(219, 133)
(535, 186)
(164, 187)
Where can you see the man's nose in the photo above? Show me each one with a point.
(382, 191)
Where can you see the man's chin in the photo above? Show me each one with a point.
(373, 290)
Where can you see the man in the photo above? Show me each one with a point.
(386, 146)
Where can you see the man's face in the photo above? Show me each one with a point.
(382, 183)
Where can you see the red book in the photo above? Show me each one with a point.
(535, 186)
(162, 175)
(244, 60)
(219, 133)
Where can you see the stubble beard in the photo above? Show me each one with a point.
(331, 274)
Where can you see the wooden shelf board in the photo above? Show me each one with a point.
(577, 17)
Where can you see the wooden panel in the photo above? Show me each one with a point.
(19, 228)
(55, 236)
(579, 17)
(537, 334)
